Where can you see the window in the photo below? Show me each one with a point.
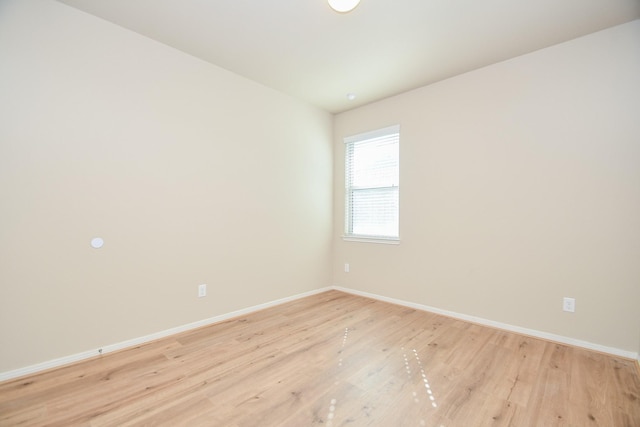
(372, 185)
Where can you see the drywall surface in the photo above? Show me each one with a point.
(519, 185)
(190, 175)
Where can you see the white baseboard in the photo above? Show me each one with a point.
(531, 332)
(32, 369)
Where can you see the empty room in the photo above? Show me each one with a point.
(320, 213)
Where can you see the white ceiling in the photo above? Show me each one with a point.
(383, 47)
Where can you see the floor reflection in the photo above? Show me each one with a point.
(418, 412)
(423, 380)
(332, 405)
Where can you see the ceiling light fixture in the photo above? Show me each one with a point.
(351, 96)
(343, 6)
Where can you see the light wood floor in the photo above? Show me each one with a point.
(334, 359)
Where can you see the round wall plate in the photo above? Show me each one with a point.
(97, 242)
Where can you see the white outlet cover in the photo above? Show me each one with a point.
(202, 290)
(569, 304)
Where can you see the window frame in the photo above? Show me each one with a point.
(389, 131)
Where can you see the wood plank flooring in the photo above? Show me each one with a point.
(334, 359)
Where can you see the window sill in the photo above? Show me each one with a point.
(367, 239)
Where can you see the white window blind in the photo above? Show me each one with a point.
(372, 184)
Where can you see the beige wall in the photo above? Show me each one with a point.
(190, 174)
(520, 184)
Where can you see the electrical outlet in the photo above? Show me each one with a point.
(346, 268)
(202, 290)
(569, 304)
